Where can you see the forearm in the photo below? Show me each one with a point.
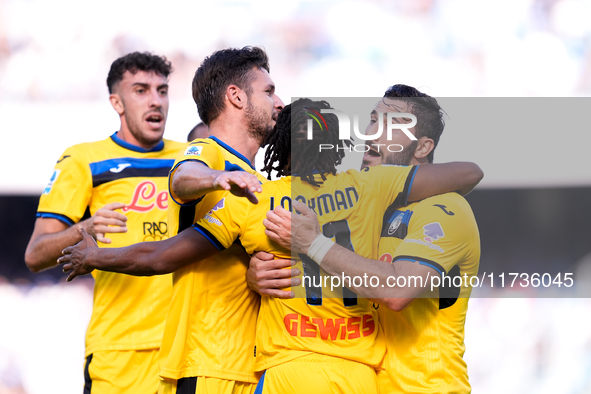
(142, 259)
(397, 284)
(433, 179)
(191, 180)
(340, 261)
(44, 250)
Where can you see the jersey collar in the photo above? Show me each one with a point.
(232, 151)
(136, 148)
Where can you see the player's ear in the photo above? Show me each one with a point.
(424, 146)
(117, 103)
(236, 96)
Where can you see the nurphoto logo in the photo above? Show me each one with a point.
(345, 130)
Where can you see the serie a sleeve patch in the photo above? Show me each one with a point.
(193, 150)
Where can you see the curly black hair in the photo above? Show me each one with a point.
(278, 144)
(134, 62)
(221, 69)
(291, 132)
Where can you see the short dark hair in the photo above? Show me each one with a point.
(291, 132)
(134, 62)
(218, 71)
(430, 122)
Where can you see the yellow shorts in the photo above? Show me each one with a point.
(319, 374)
(205, 385)
(129, 371)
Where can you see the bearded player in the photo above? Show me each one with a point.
(209, 335)
(237, 219)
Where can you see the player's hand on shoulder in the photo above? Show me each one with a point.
(75, 259)
(106, 220)
(267, 275)
(239, 183)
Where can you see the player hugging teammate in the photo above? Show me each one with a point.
(217, 338)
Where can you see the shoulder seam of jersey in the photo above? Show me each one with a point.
(232, 151)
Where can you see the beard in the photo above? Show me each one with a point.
(143, 138)
(135, 124)
(258, 123)
(403, 158)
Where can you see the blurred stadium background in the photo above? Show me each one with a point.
(533, 206)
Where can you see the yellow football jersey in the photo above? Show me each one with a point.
(425, 341)
(128, 312)
(316, 321)
(210, 328)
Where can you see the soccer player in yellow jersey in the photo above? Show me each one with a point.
(434, 237)
(337, 340)
(210, 329)
(122, 183)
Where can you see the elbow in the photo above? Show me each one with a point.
(476, 174)
(34, 264)
(179, 185)
(178, 178)
(175, 182)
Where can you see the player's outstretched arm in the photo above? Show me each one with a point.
(299, 233)
(51, 236)
(192, 179)
(433, 179)
(267, 275)
(340, 261)
(142, 259)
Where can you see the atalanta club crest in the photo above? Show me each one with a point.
(395, 223)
